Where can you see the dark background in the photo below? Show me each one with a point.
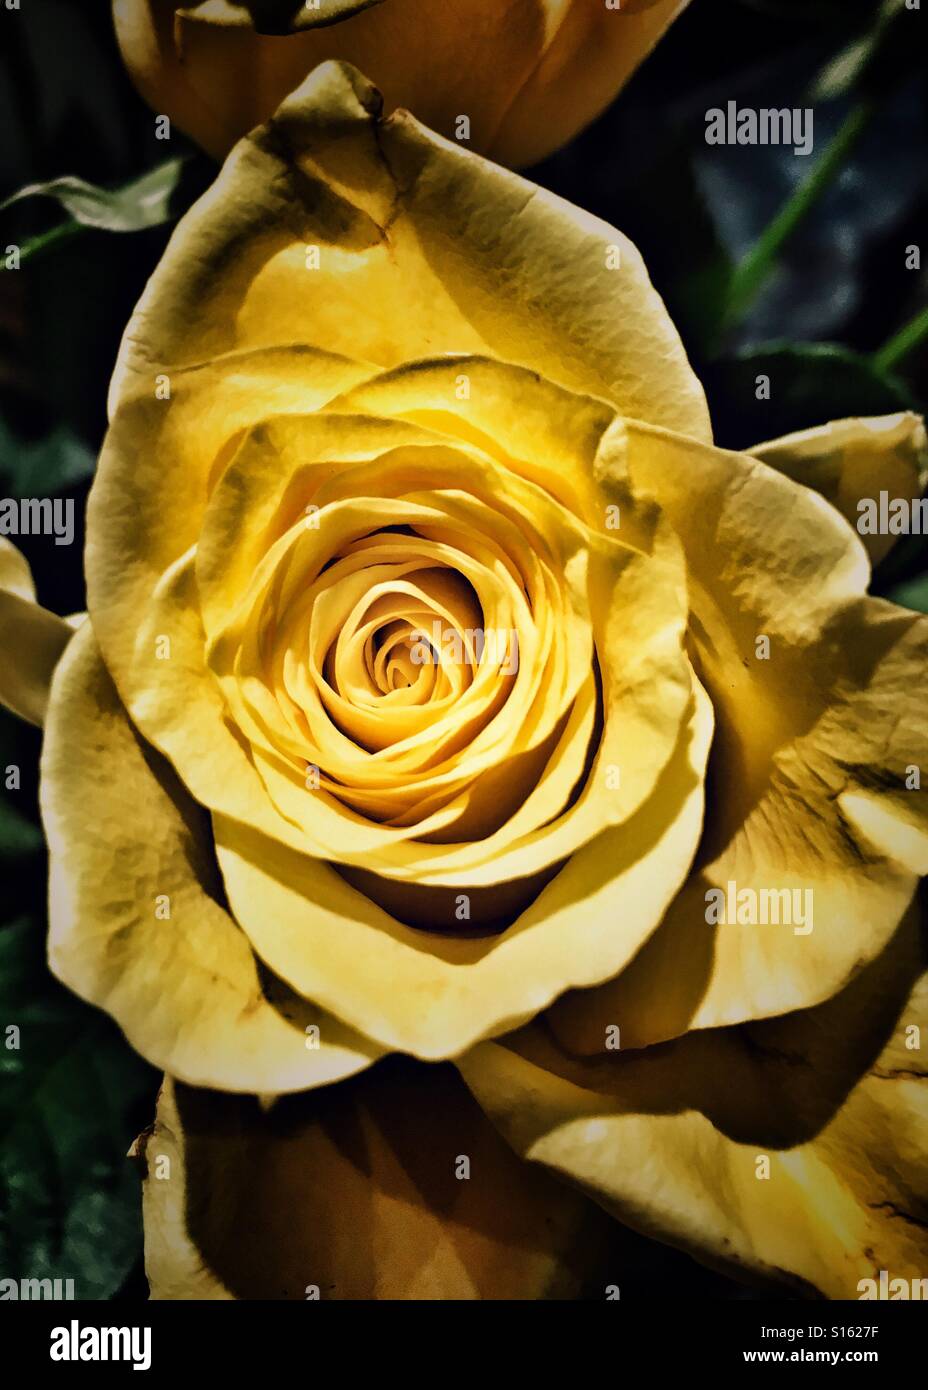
(73, 1096)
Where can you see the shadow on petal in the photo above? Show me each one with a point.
(358, 1190)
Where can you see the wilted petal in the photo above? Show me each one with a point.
(850, 461)
(378, 240)
(815, 782)
(790, 1151)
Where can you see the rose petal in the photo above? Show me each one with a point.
(638, 616)
(355, 1193)
(542, 432)
(31, 638)
(527, 73)
(140, 598)
(423, 249)
(811, 783)
(433, 995)
(587, 59)
(127, 845)
(271, 16)
(851, 460)
(143, 516)
(668, 1139)
(15, 574)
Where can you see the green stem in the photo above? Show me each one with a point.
(902, 343)
(751, 275)
(46, 241)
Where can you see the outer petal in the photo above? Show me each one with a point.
(812, 781)
(527, 73)
(669, 1139)
(359, 1191)
(422, 248)
(15, 574)
(849, 460)
(143, 516)
(272, 16)
(31, 639)
(185, 987)
(590, 54)
(412, 49)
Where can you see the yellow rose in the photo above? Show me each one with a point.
(446, 692)
(525, 75)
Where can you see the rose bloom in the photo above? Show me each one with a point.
(379, 391)
(527, 74)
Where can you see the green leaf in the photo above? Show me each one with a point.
(45, 466)
(72, 1098)
(912, 594)
(906, 562)
(18, 835)
(907, 340)
(752, 273)
(145, 202)
(810, 384)
(150, 201)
